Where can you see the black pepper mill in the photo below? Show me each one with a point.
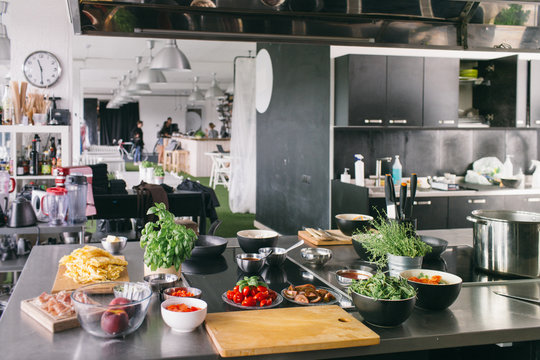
(34, 158)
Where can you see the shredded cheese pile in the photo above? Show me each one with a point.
(89, 263)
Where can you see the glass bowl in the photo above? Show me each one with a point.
(111, 309)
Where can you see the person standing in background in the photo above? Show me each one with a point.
(165, 132)
(212, 134)
(138, 142)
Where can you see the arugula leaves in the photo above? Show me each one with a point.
(380, 286)
(167, 243)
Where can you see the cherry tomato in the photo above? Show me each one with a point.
(230, 295)
(272, 294)
(236, 289)
(238, 298)
(261, 288)
(254, 291)
(246, 291)
(264, 295)
(268, 301)
(263, 303)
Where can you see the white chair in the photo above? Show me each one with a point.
(222, 171)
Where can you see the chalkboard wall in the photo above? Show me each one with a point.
(433, 152)
(293, 140)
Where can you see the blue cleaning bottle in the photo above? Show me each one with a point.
(396, 171)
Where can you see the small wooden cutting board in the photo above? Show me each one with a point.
(306, 236)
(51, 323)
(63, 282)
(286, 330)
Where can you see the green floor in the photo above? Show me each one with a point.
(231, 222)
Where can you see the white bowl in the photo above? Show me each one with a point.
(184, 321)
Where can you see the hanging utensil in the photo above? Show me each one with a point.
(390, 196)
(402, 200)
(410, 200)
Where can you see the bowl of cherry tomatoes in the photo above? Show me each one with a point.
(435, 290)
(182, 291)
(183, 314)
(252, 293)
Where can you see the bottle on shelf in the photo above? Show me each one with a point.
(59, 153)
(34, 159)
(20, 166)
(7, 105)
(396, 171)
(52, 149)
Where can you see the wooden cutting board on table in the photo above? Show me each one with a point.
(326, 241)
(51, 323)
(286, 330)
(63, 282)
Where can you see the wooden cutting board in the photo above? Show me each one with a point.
(304, 235)
(51, 323)
(286, 330)
(63, 282)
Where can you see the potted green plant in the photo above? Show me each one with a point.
(159, 175)
(167, 244)
(146, 171)
(394, 243)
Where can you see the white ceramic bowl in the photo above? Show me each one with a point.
(184, 321)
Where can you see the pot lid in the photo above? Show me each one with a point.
(507, 216)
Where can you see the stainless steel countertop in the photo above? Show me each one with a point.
(477, 317)
(376, 193)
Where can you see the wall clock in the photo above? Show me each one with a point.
(42, 69)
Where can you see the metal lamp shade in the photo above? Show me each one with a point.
(5, 44)
(196, 95)
(151, 76)
(170, 58)
(214, 91)
(140, 89)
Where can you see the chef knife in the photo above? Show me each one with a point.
(390, 196)
(410, 200)
(402, 200)
(531, 300)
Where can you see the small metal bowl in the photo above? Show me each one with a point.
(345, 276)
(316, 256)
(276, 258)
(250, 263)
(159, 282)
(114, 247)
(167, 293)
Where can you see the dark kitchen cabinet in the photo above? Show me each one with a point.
(534, 93)
(404, 90)
(441, 92)
(522, 203)
(459, 207)
(360, 90)
(502, 98)
(430, 212)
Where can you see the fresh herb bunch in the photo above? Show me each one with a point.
(147, 164)
(250, 281)
(167, 243)
(383, 287)
(393, 238)
(158, 171)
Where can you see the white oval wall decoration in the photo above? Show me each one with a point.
(264, 79)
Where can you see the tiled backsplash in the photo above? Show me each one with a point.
(433, 152)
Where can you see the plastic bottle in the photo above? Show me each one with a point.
(521, 178)
(536, 175)
(359, 170)
(346, 177)
(396, 171)
(508, 168)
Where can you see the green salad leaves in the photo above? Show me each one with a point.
(383, 287)
(167, 243)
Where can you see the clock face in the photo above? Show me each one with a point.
(42, 69)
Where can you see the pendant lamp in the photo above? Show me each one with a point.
(5, 43)
(196, 94)
(214, 91)
(133, 87)
(170, 58)
(148, 75)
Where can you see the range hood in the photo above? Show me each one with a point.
(405, 23)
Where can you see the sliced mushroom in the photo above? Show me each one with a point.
(328, 297)
(291, 294)
(322, 292)
(311, 295)
(301, 298)
(316, 300)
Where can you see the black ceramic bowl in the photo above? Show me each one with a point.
(360, 250)
(349, 223)
(384, 313)
(434, 297)
(511, 182)
(209, 246)
(252, 240)
(437, 246)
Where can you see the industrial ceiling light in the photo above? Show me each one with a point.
(170, 58)
(196, 94)
(148, 75)
(133, 87)
(5, 43)
(214, 91)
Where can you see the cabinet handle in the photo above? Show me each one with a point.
(401, 121)
(425, 202)
(476, 201)
(520, 122)
(447, 121)
(533, 199)
(373, 121)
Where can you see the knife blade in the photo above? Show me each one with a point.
(402, 200)
(390, 197)
(410, 201)
(531, 300)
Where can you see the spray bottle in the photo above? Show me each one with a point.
(359, 170)
(536, 175)
(396, 171)
(346, 177)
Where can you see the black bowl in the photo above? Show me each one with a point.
(360, 250)
(511, 182)
(434, 297)
(437, 246)
(385, 313)
(252, 240)
(209, 246)
(350, 223)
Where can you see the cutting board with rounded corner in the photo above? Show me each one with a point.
(285, 330)
(306, 236)
(63, 282)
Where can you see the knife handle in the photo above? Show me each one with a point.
(402, 200)
(414, 183)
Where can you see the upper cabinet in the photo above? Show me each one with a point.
(404, 90)
(534, 93)
(441, 92)
(502, 98)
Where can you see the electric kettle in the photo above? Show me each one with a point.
(21, 213)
